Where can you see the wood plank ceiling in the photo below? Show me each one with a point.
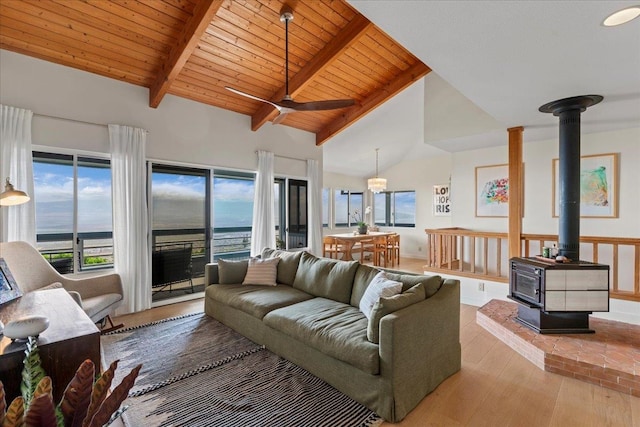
(194, 48)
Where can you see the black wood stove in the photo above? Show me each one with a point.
(558, 297)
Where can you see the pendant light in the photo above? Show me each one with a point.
(10, 196)
(376, 185)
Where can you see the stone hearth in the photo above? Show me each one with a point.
(609, 358)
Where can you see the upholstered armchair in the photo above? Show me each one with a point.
(98, 296)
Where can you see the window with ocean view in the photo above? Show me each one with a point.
(180, 220)
(232, 214)
(345, 205)
(395, 208)
(325, 207)
(72, 197)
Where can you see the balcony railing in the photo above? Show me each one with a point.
(484, 255)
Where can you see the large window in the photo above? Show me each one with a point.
(73, 211)
(232, 213)
(325, 207)
(395, 208)
(346, 203)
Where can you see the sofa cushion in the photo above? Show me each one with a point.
(387, 305)
(255, 300)
(364, 276)
(288, 265)
(324, 277)
(335, 329)
(232, 272)
(261, 272)
(379, 287)
(431, 283)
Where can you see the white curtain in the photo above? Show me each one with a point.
(263, 233)
(16, 163)
(315, 207)
(131, 240)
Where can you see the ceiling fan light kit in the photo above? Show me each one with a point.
(287, 105)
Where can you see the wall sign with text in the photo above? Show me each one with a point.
(441, 201)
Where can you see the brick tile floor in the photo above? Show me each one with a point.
(609, 358)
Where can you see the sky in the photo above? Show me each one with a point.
(178, 200)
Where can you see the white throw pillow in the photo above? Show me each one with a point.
(262, 272)
(380, 287)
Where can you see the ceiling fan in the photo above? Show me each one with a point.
(287, 105)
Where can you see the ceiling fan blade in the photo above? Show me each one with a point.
(332, 104)
(246, 95)
(288, 105)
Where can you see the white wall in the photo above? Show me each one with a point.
(419, 175)
(179, 130)
(538, 218)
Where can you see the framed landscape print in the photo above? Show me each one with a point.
(598, 186)
(492, 191)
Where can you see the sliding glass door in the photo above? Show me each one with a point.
(180, 225)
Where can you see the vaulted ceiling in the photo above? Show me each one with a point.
(194, 48)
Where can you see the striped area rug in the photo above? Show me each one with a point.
(198, 372)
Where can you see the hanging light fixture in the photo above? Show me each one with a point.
(10, 196)
(376, 185)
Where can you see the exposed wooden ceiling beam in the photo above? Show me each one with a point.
(354, 113)
(349, 34)
(190, 35)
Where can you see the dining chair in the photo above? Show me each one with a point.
(329, 247)
(380, 251)
(364, 246)
(393, 249)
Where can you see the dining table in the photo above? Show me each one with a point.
(349, 240)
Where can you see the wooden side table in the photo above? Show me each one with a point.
(70, 339)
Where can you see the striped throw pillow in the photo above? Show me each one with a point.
(262, 272)
(380, 287)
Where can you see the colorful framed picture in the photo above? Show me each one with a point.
(492, 191)
(598, 186)
(9, 289)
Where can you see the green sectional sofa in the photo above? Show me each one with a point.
(312, 318)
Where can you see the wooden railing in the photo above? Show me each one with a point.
(484, 255)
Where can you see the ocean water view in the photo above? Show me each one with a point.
(178, 203)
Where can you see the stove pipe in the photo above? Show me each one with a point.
(569, 110)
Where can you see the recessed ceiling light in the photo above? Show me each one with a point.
(622, 16)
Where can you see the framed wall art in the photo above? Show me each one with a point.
(492, 191)
(598, 186)
(9, 289)
(441, 200)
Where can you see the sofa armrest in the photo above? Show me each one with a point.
(420, 345)
(211, 274)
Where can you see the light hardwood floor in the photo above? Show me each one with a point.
(495, 387)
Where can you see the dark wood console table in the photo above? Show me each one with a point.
(70, 339)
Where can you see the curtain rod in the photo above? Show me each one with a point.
(75, 120)
(286, 157)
